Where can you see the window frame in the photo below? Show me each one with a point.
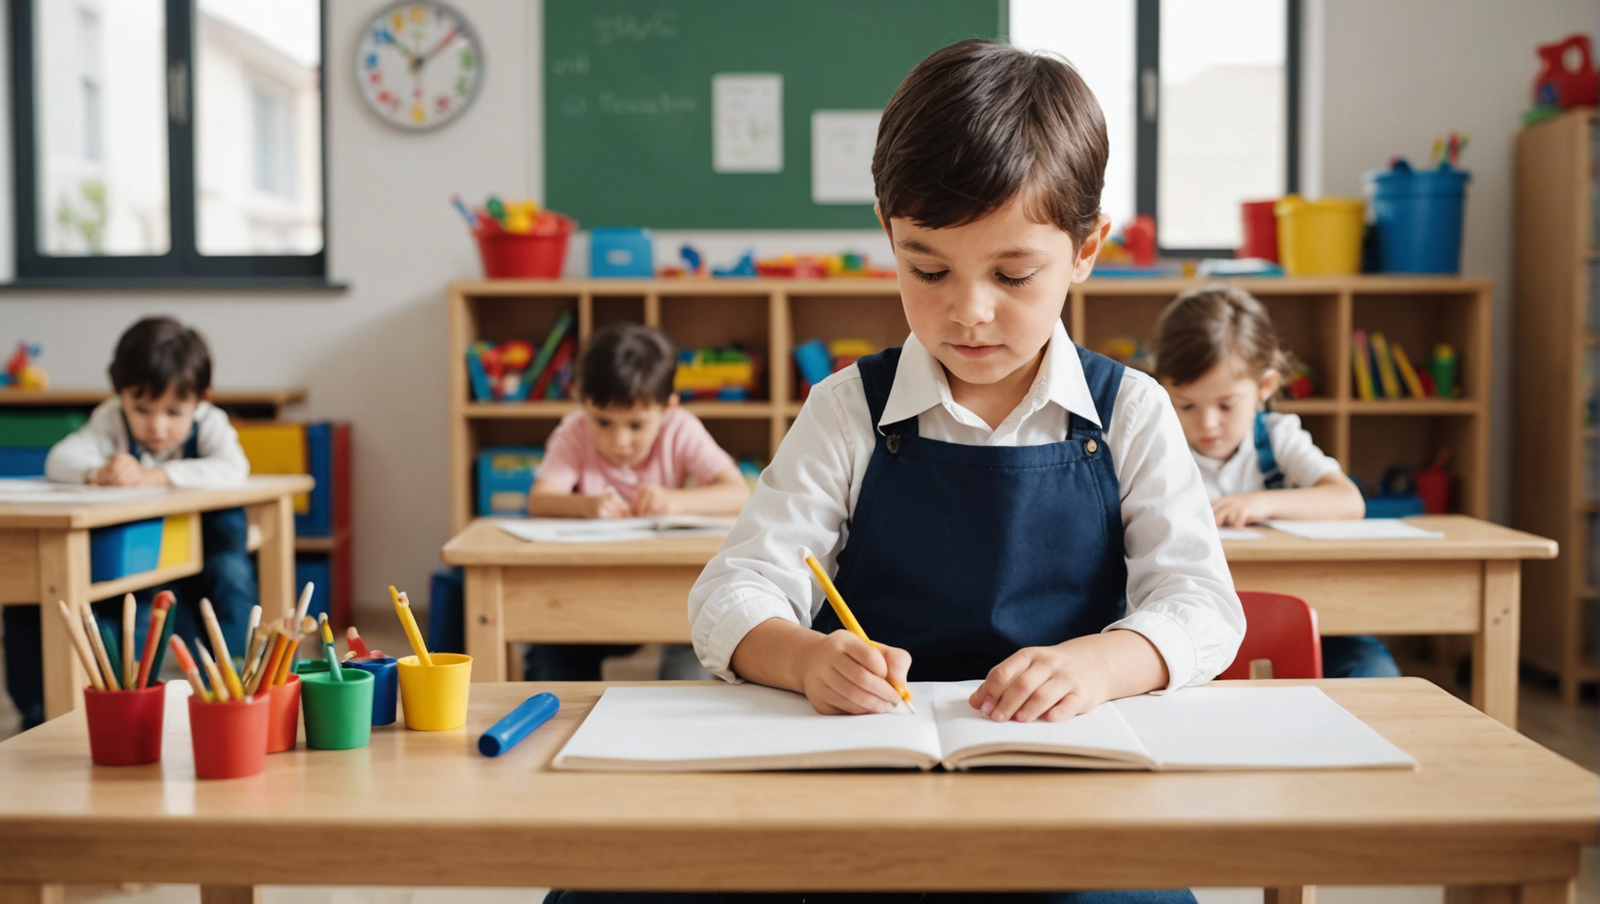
(183, 264)
(1147, 75)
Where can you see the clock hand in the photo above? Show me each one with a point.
(390, 39)
(443, 43)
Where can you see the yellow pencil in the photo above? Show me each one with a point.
(848, 617)
(219, 689)
(402, 606)
(219, 645)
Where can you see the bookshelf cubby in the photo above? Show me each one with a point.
(1314, 314)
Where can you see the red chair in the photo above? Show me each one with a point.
(1280, 638)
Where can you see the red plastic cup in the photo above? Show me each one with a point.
(125, 726)
(1260, 232)
(230, 739)
(283, 721)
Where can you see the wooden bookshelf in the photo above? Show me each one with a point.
(1314, 314)
(1555, 444)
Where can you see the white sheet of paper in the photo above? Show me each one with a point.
(734, 721)
(1255, 728)
(35, 491)
(747, 123)
(961, 726)
(1239, 533)
(1355, 529)
(842, 142)
(611, 530)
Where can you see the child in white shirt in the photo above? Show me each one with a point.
(1218, 355)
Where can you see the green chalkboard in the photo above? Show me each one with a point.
(628, 100)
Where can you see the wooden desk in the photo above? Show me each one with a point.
(44, 557)
(636, 592)
(1487, 808)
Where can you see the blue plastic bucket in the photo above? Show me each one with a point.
(1418, 217)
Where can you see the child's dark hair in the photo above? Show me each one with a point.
(159, 353)
(978, 123)
(1206, 326)
(626, 363)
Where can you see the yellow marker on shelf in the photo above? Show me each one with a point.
(848, 617)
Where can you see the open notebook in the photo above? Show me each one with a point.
(745, 727)
(610, 530)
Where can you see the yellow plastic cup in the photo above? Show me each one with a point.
(435, 697)
(1320, 237)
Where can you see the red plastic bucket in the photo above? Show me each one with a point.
(230, 739)
(125, 726)
(1260, 232)
(533, 255)
(283, 719)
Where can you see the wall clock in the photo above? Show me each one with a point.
(419, 65)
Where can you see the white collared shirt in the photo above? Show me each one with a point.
(1180, 593)
(1296, 453)
(222, 462)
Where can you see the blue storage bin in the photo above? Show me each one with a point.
(1418, 217)
(23, 461)
(505, 474)
(318, 569)
(621, 252)
(124, 549)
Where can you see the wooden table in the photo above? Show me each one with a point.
(636, 592)
(44, 557)
(1487, 808)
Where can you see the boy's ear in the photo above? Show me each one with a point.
(1270, 384)
(1090, 248)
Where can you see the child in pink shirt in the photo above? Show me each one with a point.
(629, 452)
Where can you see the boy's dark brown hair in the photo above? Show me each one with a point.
(627, 363)
(979, 122)
(1206, 326)
(158, 353)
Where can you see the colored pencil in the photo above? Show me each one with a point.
(255, 669)
(335, 670)
(219, 645)
(290, 651)
(269, 665)
(190, 670)
(130, 666)
(108, 638)
(219, 688)
(402, 606)
(251, 656)
(357, 645)
(304, 605)
(97, 640)
(250, 632)
(152, 639)
(847, 617)
(80, 645)
(166, 630)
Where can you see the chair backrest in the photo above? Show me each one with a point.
(1280, 628)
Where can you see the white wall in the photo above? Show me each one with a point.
(1398, 73)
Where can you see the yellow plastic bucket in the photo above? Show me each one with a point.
(435, 698)
(1320, 237)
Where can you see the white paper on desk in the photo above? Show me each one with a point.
(612, 530)
(37, 491)
(1356, 529)
(1239, 533)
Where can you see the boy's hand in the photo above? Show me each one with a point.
(657, 500)
(1054, 683)
(844, 674)
(608, 505)
(1242, 509)
(121, 471)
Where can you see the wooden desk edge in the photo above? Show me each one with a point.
(78, 515)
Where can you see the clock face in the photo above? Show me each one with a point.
(418, 65)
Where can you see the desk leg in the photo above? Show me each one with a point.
(486, 626)
(63, 575)
(230, 894)
(1291, 894)
(276, 557)
(1495, 646)
(32, 894)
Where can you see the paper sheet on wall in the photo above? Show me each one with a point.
(1357, 529)
(842, 142)
(747, 123)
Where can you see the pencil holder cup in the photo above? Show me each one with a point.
(385, 686)
(338, 713)
(435, 697)
(230, 739)
(125, 726)
(283, 721)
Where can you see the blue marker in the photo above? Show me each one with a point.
(472, 221)
(518, 724)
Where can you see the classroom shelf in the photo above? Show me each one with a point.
(321, 544)
(1314, 315)
(1554, 471)
(139, 580)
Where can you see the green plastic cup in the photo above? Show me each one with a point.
(338, 714)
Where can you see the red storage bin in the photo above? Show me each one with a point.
(1260, 232)
(535, 255)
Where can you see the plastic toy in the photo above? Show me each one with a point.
(1442, 367)
(21, 372)
(727, 374)
(1134, 246)
(746, 267)
(1127, 351)
(814, 362)
(1303, 381)
(1563, 87)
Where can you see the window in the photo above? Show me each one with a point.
(1196, 125)
(186, 149)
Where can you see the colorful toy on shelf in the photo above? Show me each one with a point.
(746, 267)
(1127, 351)
(693, 264)
(1443, 367)
(1562, 87)
(1435, 485)
(1383, 370)
(512, 372)
(1134, 246)
(728, 374)
(1304, 381)
(517, 240)
(815, 360)
(21, 370)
